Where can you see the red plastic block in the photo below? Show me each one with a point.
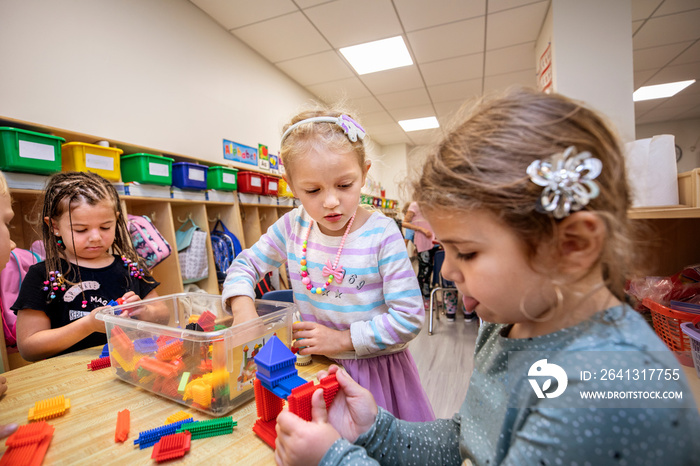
(266, 431)
(330, 388)
(268, 404)
(122, 343)
(157, 367)
(30, 433)
(207, 321)
(29, 454)
(300, 400)
(123, 423)
(172, 446)
(99, 363)
(170, 351)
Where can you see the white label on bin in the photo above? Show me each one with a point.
(272, 186)
(256, 181)
(99, 162)
(228, 178)
(35, 150)
(158, 169)
(195, 174)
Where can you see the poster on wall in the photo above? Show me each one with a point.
(544, 70)
(263, 157)
(240, 153)
(274, 163)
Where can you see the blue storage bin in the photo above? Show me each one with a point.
(188, 175)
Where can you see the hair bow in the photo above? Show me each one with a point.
(337, 273)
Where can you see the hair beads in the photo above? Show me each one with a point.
(134, 269)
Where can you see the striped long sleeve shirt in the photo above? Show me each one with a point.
(378, 300)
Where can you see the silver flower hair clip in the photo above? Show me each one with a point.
(568, 183)
(351, 128)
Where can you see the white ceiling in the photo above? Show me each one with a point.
(453, 58)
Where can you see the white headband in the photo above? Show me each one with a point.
(351, 128)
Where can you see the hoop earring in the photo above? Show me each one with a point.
(549, 314)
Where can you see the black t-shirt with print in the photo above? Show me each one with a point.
(100, 286)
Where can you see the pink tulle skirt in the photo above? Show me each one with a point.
(394, 381)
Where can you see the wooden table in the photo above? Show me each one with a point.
(85, 433)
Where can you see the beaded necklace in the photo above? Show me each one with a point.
(332, 271)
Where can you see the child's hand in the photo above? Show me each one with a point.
(353, 410)
(95, 324)
(300, 442)
(319, 339)
(3, 385)
(157, 312)
(7, 430)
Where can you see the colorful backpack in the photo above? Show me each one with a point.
(147, 240)
(226, 247)
(10, 282)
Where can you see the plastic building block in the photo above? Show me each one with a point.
(267, 404)
(170, 351)
(183, 382)
(30, 433)
(123, 422)
(210, 428)
(157, 367)
(150, 437)
(105, 350)
(266, 431)
(99, 363)
(300, 401)
(28, 445)
(330, 388)
(284, 387)
(121, 342)
(275, 362)
(171, 446)
(201, 394)
(127, 364)
(49, 408)
(145, 345)
(207, 321)
(178, 416)
(193, 319)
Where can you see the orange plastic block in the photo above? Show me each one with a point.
(99, 363)
(267, 404)
(123, 424)
(28, 445)
(170, 351)
(30, 433)
(266, 431)
(122, 343)
(193, 319)
(46, 409)
(172, 446)
(157, 367)
(207, 321)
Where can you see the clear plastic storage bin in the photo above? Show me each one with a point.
(183, 347)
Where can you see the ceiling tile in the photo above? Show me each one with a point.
(409, 113)
(676, 6)
(414, 14)
(655, 57)
(377, 118)
(398, 79)
(309, 3)
(367, 105)
(448, 110)
(402, 99)
(350, 88)
(235, 13)
(642, 9)
(676, 73)
(455, 91)
(641, 77)
(448, 41)
(318, 68)
(515, 26)
(525, 78)
(426, 137)
(390, 138)
(453, 69)
(352, 22)
(692, 54)
(668, 30)
(283, 38)
(510, 59)
(500, 5)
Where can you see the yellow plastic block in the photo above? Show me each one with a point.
(49, 408)
(177, 417)
(193, 319)
(201, 394)
(128, 366)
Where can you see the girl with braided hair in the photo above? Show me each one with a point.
(90, 261)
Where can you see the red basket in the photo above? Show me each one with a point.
(667, 325)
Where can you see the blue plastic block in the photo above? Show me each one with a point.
(274, 356)
(145, 345)
(105, 350)
(148, 438)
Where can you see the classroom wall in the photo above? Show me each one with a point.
(156, 73)
(687, 135)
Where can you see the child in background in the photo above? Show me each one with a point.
(529, 198)
(90, 261)
(352, 280)
(6, 246)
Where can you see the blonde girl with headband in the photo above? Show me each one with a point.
(529, 198)
(90, 261)
(350, 273)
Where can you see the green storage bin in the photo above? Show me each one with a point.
(222, 178)
(27, 151)
(147, 168)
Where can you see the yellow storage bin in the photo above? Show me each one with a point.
(283, 189)
(83, 157)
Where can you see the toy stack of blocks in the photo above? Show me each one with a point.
(276, 380)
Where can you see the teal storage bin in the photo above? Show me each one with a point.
(27, 151)
(222, 178)
(147, 168)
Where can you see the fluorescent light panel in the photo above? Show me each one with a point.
(419, 123)
(379, 55)
(660, 91)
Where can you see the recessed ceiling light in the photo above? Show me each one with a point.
(419, 123)
(379, 55)
(660, 91)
